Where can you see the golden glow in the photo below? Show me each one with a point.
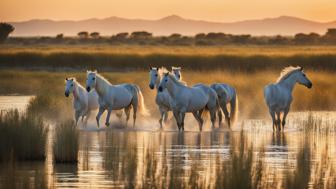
(212, 10)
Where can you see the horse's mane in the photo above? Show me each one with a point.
(176, 68)
(100, 77)
(162, 71)
(288, 71)
(176, 81)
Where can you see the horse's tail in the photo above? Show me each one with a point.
(234, 108)
(141, 102)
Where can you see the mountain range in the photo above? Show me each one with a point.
(283, 25)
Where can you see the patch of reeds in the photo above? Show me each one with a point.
(23, 136)
(66, 143)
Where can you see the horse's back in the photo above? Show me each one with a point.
(224, 90)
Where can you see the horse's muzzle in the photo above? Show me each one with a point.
(151, 86)
(160, 89)
(88, 89)
(66, 94)
(310, 85)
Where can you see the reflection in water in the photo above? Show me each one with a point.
(142, 159)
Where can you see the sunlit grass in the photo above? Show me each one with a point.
(66, 143)
(22, 136)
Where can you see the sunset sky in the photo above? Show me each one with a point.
(211, 10)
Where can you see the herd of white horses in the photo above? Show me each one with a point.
(175, 95)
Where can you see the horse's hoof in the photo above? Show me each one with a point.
(107, 124)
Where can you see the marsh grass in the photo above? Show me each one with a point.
(122, 58)
(23, 136)
(66, 143)
(316, 122)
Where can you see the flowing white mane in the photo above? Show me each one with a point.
(286, 72)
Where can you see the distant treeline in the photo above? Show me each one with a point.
(206, 39)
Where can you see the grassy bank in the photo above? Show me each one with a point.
(49, 88)
(66, 143)
(112, 58)
(22, 136)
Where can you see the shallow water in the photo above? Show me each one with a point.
(118, 157)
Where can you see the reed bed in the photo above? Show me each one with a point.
(23, 136)
(111, 58)
(66, 143)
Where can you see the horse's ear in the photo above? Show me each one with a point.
(301, 68)
(66, 79)
(150, 67)
(157, 69)
(72, 79)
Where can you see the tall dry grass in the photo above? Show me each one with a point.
(66, 143)
(23, 136)
(109, 58)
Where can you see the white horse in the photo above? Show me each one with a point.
(226, 95)
(194, 99)
(278, 96)
(162, 99)
(83, 102)
(177, 72)
(115, 97)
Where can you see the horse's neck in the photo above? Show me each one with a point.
(157, 82)
(76, 91)
(289, 82)
(101, 86)
(173, 89)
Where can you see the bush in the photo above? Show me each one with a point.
(23, 136)
(65, 146)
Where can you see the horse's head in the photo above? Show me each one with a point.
(91, 80)
(69, 86)
(177, 72)
(164, 81)
(153, 76)
(303, 79)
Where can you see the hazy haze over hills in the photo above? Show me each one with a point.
(284, 25)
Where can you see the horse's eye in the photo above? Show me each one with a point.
(156, 75)
(304, 75)
(93, 78)
(166, 80)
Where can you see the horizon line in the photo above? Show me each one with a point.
(171, 15)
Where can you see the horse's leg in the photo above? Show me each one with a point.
(135, 108)
(100, 112)
(273, 119)
(278, 121)
(162, 113)
(127, 112)
(213, 116)
(220, 116)
(226, 113)
(177, 119)
(77, 114)
(182, 114)
(197, 118)
(107, 122)
(284, 118)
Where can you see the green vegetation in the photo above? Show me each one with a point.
(201, 39)
(111, 58)
(23, 136)
(66, 143)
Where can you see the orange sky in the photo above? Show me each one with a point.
(212, 10)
